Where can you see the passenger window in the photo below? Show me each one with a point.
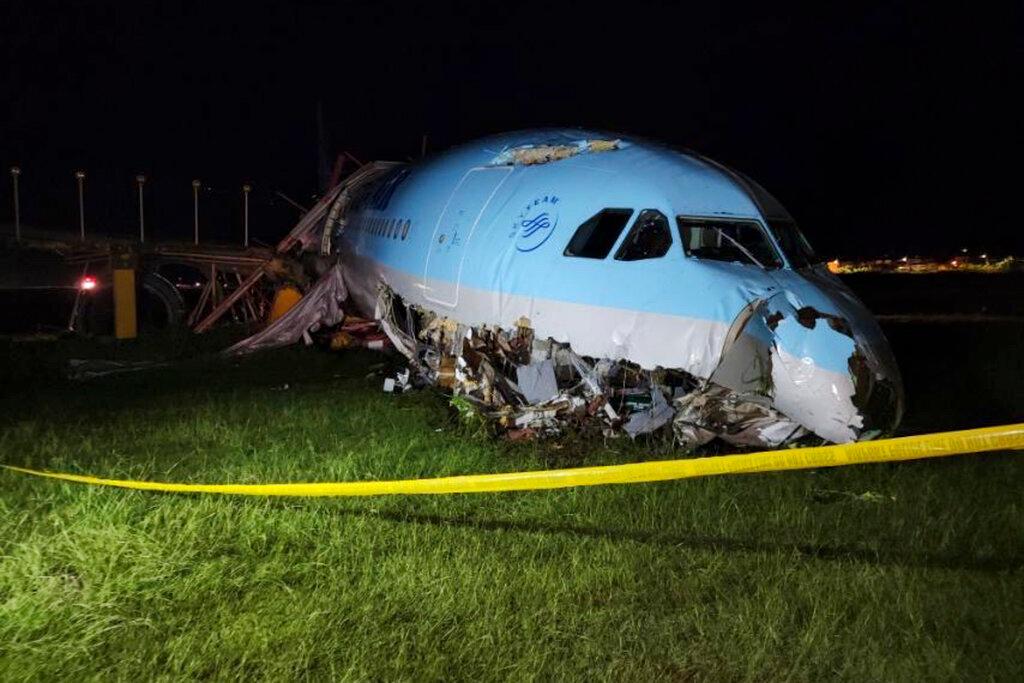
(724, 240)
(596, 237)
(649, 238)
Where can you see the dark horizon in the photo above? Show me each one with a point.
(883, 130)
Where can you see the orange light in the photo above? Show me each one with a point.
(833, 266)
(954, 263)
(87, 283)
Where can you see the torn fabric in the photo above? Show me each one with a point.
(318, 308)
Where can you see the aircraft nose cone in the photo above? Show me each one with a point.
(879, 387)
(878, 395)
(825, 367)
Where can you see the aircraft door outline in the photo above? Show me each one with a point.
(442, 271)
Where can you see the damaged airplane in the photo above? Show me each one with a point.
(581, 258)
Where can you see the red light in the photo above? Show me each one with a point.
(88, 283)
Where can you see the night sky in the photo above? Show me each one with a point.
(883, 129)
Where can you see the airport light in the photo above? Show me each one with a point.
(88, 283)
(140, 180)
(195, 207)
(246, 189)
(80, 177)
(15, 172)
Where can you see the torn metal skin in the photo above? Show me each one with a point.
(759, 362)
(531, 387)
(530, 154)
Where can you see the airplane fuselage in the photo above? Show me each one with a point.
(488, 235)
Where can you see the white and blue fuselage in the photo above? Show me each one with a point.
(482, 233)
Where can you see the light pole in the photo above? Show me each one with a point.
(140, 180)
(15, 172)
(195, 207)
(246, 189)
(80, 177)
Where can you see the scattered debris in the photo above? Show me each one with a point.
(652, 418)
(31, 338)
(398, 383)
(529, 388)
(836, 496)
(358, 332)
(88, 368)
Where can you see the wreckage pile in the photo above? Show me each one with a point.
(529, 388)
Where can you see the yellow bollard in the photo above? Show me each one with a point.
(125, 318)
(284, 299)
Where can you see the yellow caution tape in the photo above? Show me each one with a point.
(888, 450)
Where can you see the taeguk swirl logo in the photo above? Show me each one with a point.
(536, 223)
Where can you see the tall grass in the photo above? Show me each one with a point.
(885, 572)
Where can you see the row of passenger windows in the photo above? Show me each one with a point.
(389, 228)
(650, 238)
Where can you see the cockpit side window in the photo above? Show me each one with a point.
(598, 234)
(649, 238)
(794, 245)
(724, 240)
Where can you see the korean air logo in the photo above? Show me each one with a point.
(536, 223)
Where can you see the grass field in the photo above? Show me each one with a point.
(887, 572)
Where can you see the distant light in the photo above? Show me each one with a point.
(88, 283)
(954, 263)
(984, 256)
(963, 251)
(904, 259)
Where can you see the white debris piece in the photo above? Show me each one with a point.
(537, 381)
(647, 421)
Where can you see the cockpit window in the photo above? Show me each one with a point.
(793, 243)
(598, 234)
(649, 238)
(724, 240)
